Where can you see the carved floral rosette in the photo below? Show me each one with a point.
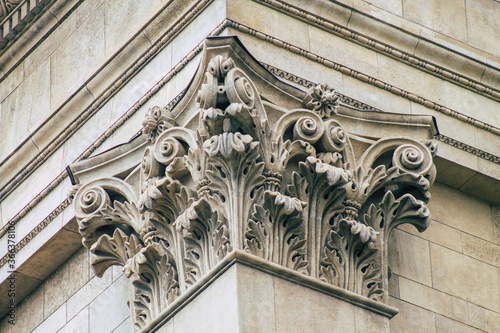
(290, 191)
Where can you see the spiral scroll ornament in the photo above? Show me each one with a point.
(412, 158)
(308, 129)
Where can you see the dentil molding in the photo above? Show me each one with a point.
(246, 162)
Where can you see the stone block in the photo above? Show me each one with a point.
(483, 25)
(255, 301)
(10, 82)
(109, 309)
(470, 277)
(133, 13)
(270, 22)
(496, 224)
(447, 17)
(438, 233)
(198, 30)
(291, 63)
(409, 257)
(216, 307)
(426, 298)
(66, 281)
(376, 97)
(486, 188)
(54, 322)
(451, 173)
(75, 60)
(461, 211)
(481, 250)
(367, 321)
(444, 324)
(332, 11)
(24, 109)
(410, 79)
(299, 309)
(394, 285)
(393, 6)
(127, 327)
(79, 323)
(87, 293)
(343, 51)
(411, 318)
(471, 104)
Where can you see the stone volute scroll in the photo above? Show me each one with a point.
(246, 162)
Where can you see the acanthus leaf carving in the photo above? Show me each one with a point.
(285, 185)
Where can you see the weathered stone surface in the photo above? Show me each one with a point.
(87, 293)
(68, 69)
(483, 25)
(65, 282)
(78, 324)
(54, 322)
(29, 314)
(411, 318)
(109, 309)
(461, 211)
(444, 324)
(409, 257)
(481, 250)
(446, 17)
(438, 233)
(469, 277)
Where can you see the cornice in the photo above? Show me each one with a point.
(383, 48)
(364, 77)
(18, 15)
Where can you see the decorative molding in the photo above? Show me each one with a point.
(17, 15)
(364, 77)
(104, 97)
(465, 147)
(286, 184)
(361, 106)
(384, 48)
(40, 226)
(345, 100)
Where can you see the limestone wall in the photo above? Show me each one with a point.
(440, 58)
(444, 280)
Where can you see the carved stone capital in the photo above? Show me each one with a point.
(287, 185)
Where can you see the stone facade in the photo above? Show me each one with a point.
(96, 84)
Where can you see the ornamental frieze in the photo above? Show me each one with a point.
(246, 162)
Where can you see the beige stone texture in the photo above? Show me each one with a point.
(394, 285)
(471, 104)
(429, 299)
(483, 25)
(132, 13)
(255, 301)
(216, 307)
(54, 322)
(69, 70)
(496, 224)
(24, 109)
(446, 17)
(10, 82)
(393, 6)
(87, 293)
(409, 257)
(374, 96)
(411, 318)
(410, 79)
(110, 309)
(456, 274)
(126, 327)
(270, 22)
(481, 250)
(438, 233)
(66, 281)
(78, 324)
(461, 211)
(197, 30)
(343, 51)
(444, 324)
